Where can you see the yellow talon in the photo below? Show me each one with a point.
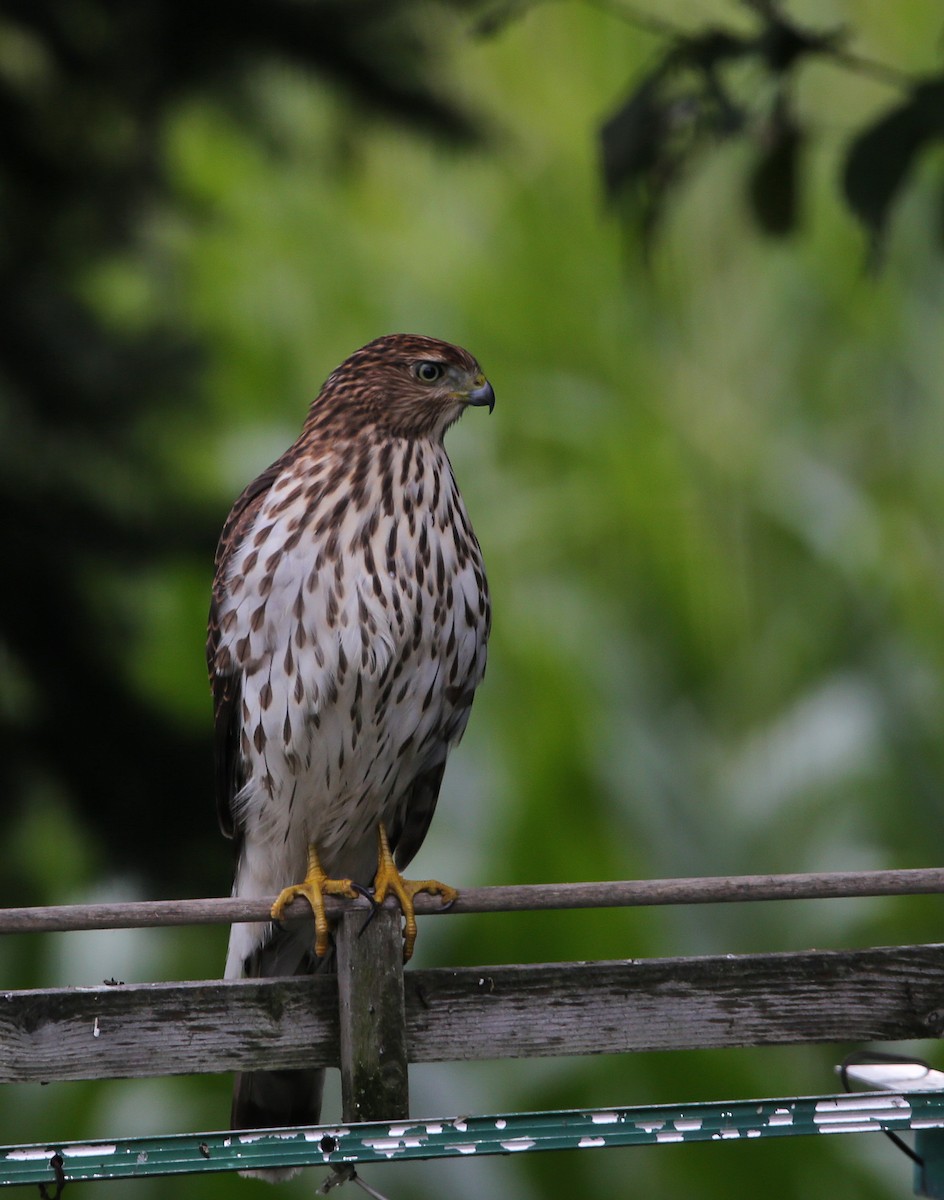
(314, 887)
(389, 879)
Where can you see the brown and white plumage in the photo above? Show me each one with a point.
(348, 633)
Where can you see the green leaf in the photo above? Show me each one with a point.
(881, 158)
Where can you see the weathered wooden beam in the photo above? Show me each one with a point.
(483, 1012)
(374, 1076)
(675, 1004)
(167, 1028)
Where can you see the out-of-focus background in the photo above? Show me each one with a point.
(710, 498)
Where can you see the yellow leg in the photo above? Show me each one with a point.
(314, 887)
(389, 879)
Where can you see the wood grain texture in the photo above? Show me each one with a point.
(481, 1013)
(676, 1004)
(374, 1075)
(167, 1029)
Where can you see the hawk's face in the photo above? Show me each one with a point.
(402, 384)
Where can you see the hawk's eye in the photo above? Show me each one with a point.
(428, 372)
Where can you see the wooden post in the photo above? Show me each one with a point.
(374, 1081)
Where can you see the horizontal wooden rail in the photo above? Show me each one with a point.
(723, 889)
(481, 1013)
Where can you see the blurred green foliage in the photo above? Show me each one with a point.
(710, 501)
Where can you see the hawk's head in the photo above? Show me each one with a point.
(403, 384)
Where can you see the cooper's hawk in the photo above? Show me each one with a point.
(347, 635)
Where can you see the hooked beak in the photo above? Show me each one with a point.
(482, 396)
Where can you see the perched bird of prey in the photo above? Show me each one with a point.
(347, 636)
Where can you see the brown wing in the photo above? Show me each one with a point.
(408, 834)
(227, 684)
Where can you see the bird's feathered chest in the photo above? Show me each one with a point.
(353, 610)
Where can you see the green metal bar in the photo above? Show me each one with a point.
(929, 1172)
(327, 1146)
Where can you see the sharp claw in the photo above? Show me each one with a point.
(388, 880)
(367, 894)
(314, 887)
(374, 906)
